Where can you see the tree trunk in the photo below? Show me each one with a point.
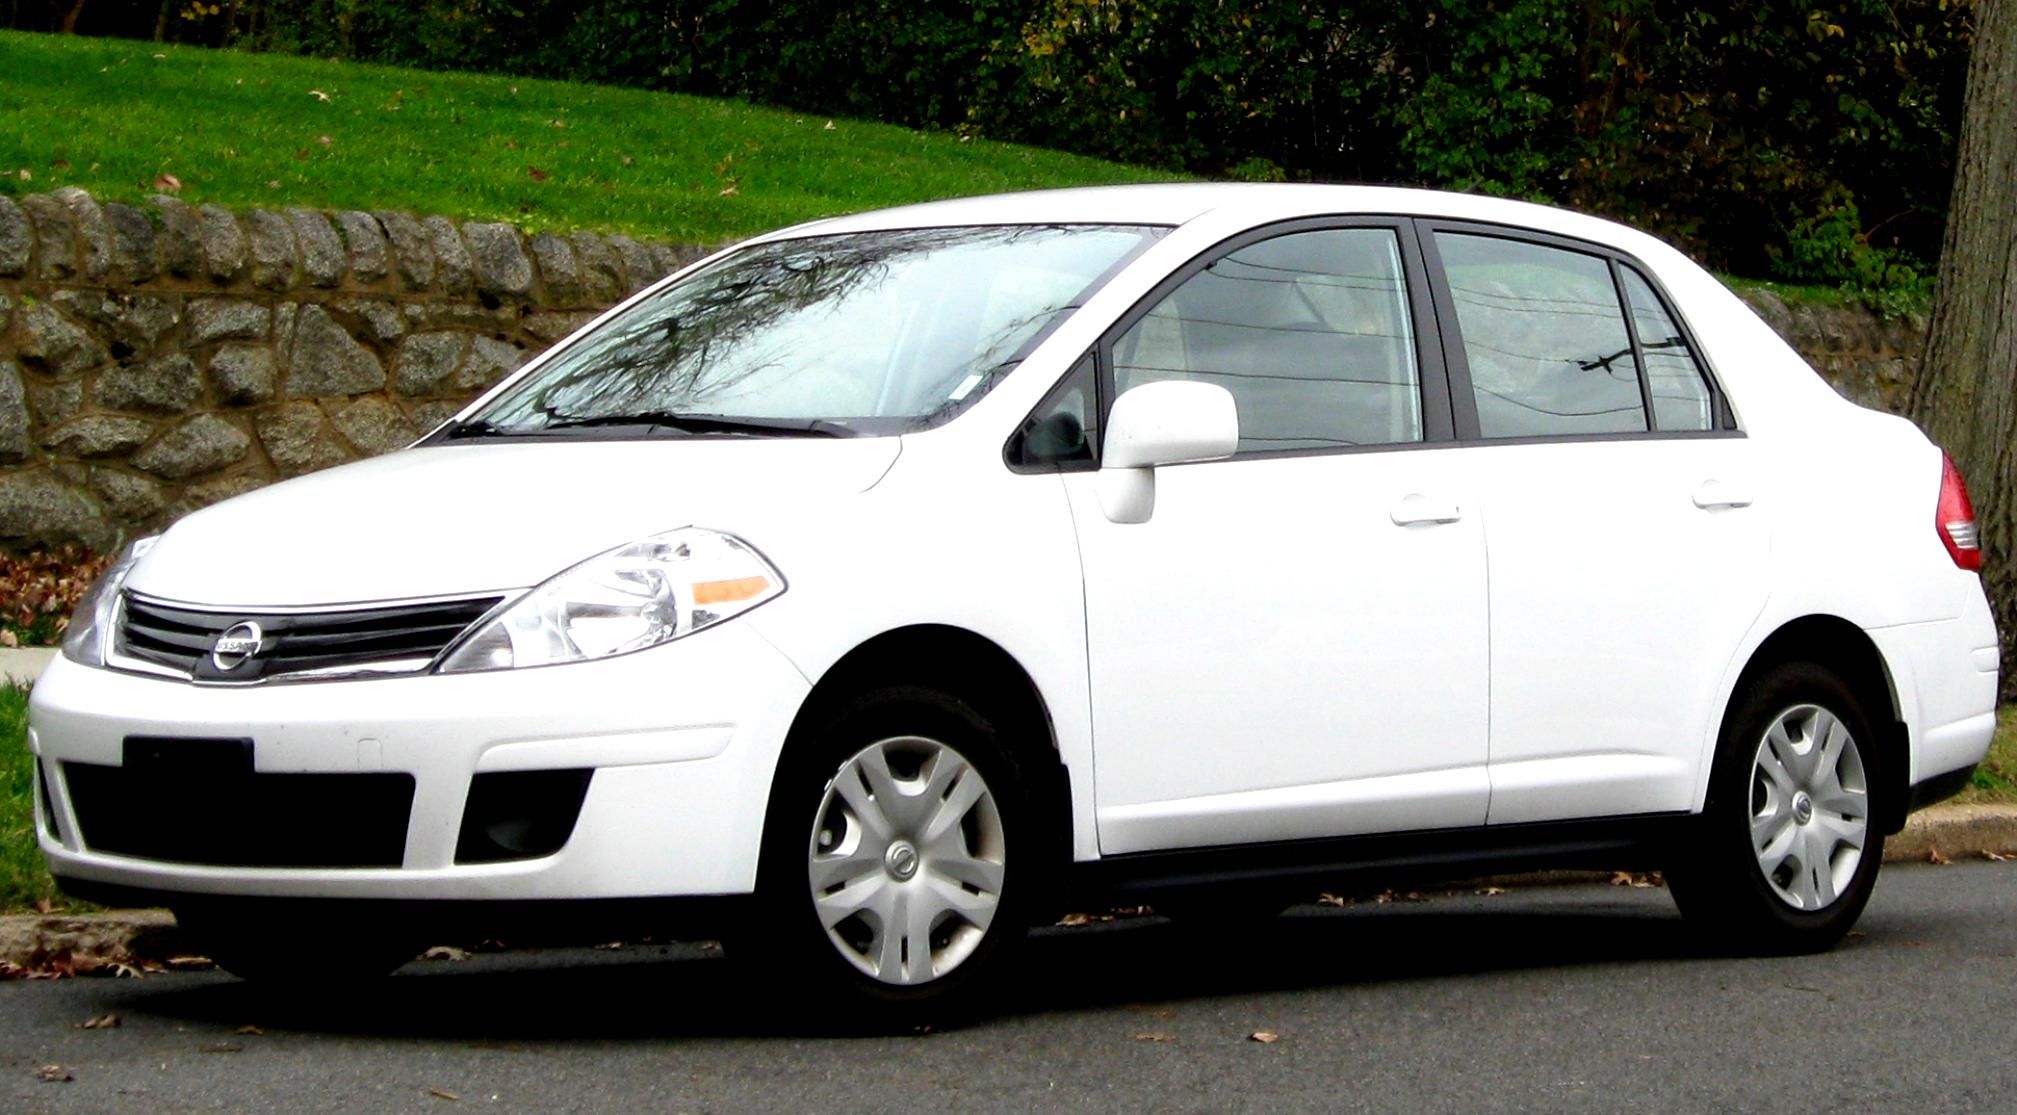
(1966, 394)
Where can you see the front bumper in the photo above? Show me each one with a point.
(682, 740)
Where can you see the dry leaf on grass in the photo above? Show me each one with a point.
(536, 174)
(101, 1022)
(1265, 1037)
(319, 95)
(1997, 857)
(1933, 856)
(54, 1074)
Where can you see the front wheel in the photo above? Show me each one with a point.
(1787, 854)
(894, 866)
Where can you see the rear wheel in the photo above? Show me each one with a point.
(1786, 855)
(895, 867)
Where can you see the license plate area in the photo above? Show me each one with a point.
(180, 757)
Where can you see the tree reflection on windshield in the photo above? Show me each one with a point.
(879, 331)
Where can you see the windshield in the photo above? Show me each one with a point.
(877, 332)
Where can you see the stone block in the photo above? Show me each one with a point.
(297, 439)
(99, 435)
(219, 319)
(128, 495)
(380, 316)
(55, 237)
(17, 239)
(558, 275)
(132, 242)
(203, 493)
(374, 426)
(426, 417)
(272, 249)
(322, 254)
(412, 254)
(94, 232)
(550, 327)
(36, 508)
(366, 242)
(59, 345)
(324, 359)
(224, 246)
(53, 404)
(426, 361)
(168, 384)
(204, 443)
(242, 374)
(639, 269)
(15, 444)
(497, 258)
(489, 360)
(454, 273)
(133, 323)
(178, 242)
(601, 271)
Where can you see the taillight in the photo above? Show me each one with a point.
(1956, 518)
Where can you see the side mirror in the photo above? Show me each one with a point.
(1164, 423)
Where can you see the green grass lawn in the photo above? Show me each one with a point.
(272, 130)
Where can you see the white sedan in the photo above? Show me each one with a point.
(872, 588)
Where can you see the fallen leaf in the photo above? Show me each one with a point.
(829, 126)
(1265, 1037)
(1491, 890)
(161, 58)
(1633, 879)
(254, 1031)
(445, 952)
(273, 183)
(629, 161)
(1074, 920)
(44, 906)
(441, 1095)
(556, 123)
(59, 164)
(221, 1047)
(1996, 857)
(54, 1074)
(1330, 900)
(729, 191)
(102, 1022)
(1152, 1035)
(168, 183)
(536, 174)
(187, 963)
(325, 141)
(9, 639)
(24, 175)
(319, 95)
(1933, 856)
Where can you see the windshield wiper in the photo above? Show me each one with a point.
(477, 427)
(709, 424)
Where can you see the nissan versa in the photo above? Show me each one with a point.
(872, 588)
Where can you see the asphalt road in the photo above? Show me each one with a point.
(1566, 999)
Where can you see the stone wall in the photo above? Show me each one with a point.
(156, 360)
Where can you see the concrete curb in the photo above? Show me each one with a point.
(22, 665)
(83, 943)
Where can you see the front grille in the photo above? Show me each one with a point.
(391, 637)
(241, 819)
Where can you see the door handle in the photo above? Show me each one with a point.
(1715, 493)
(1418, 508)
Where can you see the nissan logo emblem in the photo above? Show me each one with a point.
(239, 642)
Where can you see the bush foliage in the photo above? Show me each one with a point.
(1796, 139)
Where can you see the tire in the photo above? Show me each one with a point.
(899, 861)
(1785, 855)
(297, 948)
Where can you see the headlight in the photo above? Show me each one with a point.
(91, 624)
(649, 592)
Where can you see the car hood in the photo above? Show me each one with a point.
(465, 518)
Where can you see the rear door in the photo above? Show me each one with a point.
(1626, 537)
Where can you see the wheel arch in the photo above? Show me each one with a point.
(975, 669)
(1845, 648)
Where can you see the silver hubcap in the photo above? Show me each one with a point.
(906, 860)
(1810, 813)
